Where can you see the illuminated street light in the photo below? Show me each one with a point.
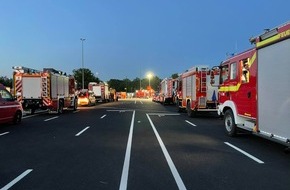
(83, 77)
(149, 75)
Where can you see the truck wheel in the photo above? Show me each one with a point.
(60, 107)
(75, 105)
(177, 106)
(190, 112)
(32, 111)
(230, 126)
(17, 117)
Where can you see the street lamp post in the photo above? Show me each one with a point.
(83, 77)
(149, 75)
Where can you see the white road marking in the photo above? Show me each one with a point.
(163, 114)
(76, 111)
(119, 110)
(125, 172)
(141, 102)
(245, 153)
(16, 179)
(171, 165)
(190, 123)
(103, 116)
(82, 131)
(4, 133)
(51, 118)
(28, 116)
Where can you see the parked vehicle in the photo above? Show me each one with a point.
(166, 95)
(86, 98)
(101, 91)
(49, 89)
(254, 87)
(195, 92)
(10, 109)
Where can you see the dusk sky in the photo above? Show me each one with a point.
(131, 37)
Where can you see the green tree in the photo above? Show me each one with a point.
(88, 77)
(6, 81)
(174, 76)
(117, 84)
(136, 84)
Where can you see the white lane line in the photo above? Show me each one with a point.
(82, 131)
(171, 165)
(141, 102)
(135, 101)
(163, 114)
(245, 153)
(51, 118)
(76, 111)
(119, 110)
(16, 179)
(5, 133)
(190, 123)
(103, 116)
(125, 172)
(28, 116)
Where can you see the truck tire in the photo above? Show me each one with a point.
(177, 106)
(32, 112)
(230, 125)
(17, 117)
(190, 112)
(75, 105)
(60, 107)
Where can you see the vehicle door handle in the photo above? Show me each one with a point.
(249, 94)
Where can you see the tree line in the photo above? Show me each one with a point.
(121, 85)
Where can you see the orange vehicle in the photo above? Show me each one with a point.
(86, 98)
(254, 87)
(10, 109)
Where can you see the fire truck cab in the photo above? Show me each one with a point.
(254, 91)
(10, 108)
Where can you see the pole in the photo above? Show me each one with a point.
(149, 83)
(83, 77)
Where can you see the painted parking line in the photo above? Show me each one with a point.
(245, 153)
(190, 123)
(51, 118)
(103, 116)
(125, 171)
(119, 110)
(171, 165)
(5, 133)
(163, 114)
(13, 182)
(78, 134)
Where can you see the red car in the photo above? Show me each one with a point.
(10, 109)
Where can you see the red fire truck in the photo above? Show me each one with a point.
(166, 95)
(196, 94)
(254, 91)
(49, 89)
(101, 91)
